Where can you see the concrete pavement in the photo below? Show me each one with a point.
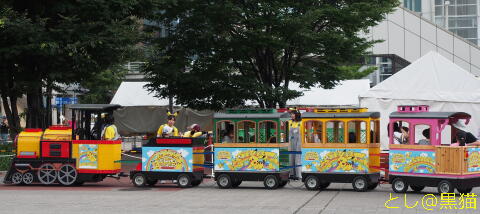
(112, 196)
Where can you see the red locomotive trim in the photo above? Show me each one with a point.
(198, 148)
(173, 141)
(32, 130)
(96, 171)
(96, 141)
(27, 156)
(59, 127)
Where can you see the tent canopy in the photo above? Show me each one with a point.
(431, 80)
(135, 94)
(432, 77)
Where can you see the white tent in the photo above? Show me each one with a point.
(431, 80)
(345, 93)
(135, 94)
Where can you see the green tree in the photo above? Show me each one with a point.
(219, 54)
(70, 42)
(101, 86)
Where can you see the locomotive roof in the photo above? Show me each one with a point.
(341, 115)
(251, 116)
(431, 114)
(94, 107)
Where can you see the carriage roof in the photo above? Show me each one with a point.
(341, 115)
(429, 115)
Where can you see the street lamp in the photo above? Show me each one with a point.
(447, 3)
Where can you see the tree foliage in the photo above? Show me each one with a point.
(221, 53)
(48, 42)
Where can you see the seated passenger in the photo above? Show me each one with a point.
(426, 134)
(194, 131)
(168, 129)
(463, 137)
(351, 137)
(228, 138)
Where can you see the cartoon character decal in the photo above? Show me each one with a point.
(247, 159)
(88, 158)
(412, 161)
(473, 159)
(334, 160)
(172, 159)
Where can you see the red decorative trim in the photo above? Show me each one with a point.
(59, 127)
(96, 141)
(95, 171)
(32, 130)
(27, 156)
(198, 148)
(139, 167)
(199, 169)
(173, 141)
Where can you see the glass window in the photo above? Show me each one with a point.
(422, 134)
(447, 135)
(268, 131)
(313, 131)
(357, 132)
(246, 131)
(284, 132)
(225, 132)
(401, 132)
(374, 131)
(335, 132)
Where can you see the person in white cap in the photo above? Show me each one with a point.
(464, 137)
(194, 131)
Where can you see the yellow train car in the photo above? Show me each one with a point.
(342, 146)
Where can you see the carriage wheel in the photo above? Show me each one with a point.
(184, 180)
(67, 174)
(47, 174)
(17, 178)
(445, 187)
(27, 178)
(360, 184)
(224, 181)
(312, 182)
(271, 182)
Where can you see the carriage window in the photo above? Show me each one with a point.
(357, 132)
(225, 132)
(335, 130)
(422, 134)
(374, 131)
(401, 132)
(447, 135)
(313, 131)
(284, 132)
(268, 132)
(246, 131)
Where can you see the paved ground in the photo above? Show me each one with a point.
(119, 196)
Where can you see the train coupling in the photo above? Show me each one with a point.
(118, 176)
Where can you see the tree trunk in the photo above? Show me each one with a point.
(35, 114)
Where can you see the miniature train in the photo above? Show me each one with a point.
(338, 146)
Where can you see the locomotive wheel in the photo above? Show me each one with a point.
(67, 175)
(324, 185)
(360, 184)
(464, 190)
(224, 181)
(445, 187)
(47, 174)
(17, 178)
(139, 180)
(271, 182)
(399, 185)
(184, 180)
(27, 178)
(312, 182)
(417, 188)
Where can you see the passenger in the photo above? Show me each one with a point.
(168, 129)
(426, 141)
(228, 138)
(110, 131)
(351, 137)
(295, 142)
(194, 131)
(463, 137)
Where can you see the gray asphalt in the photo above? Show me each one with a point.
(121, 197)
